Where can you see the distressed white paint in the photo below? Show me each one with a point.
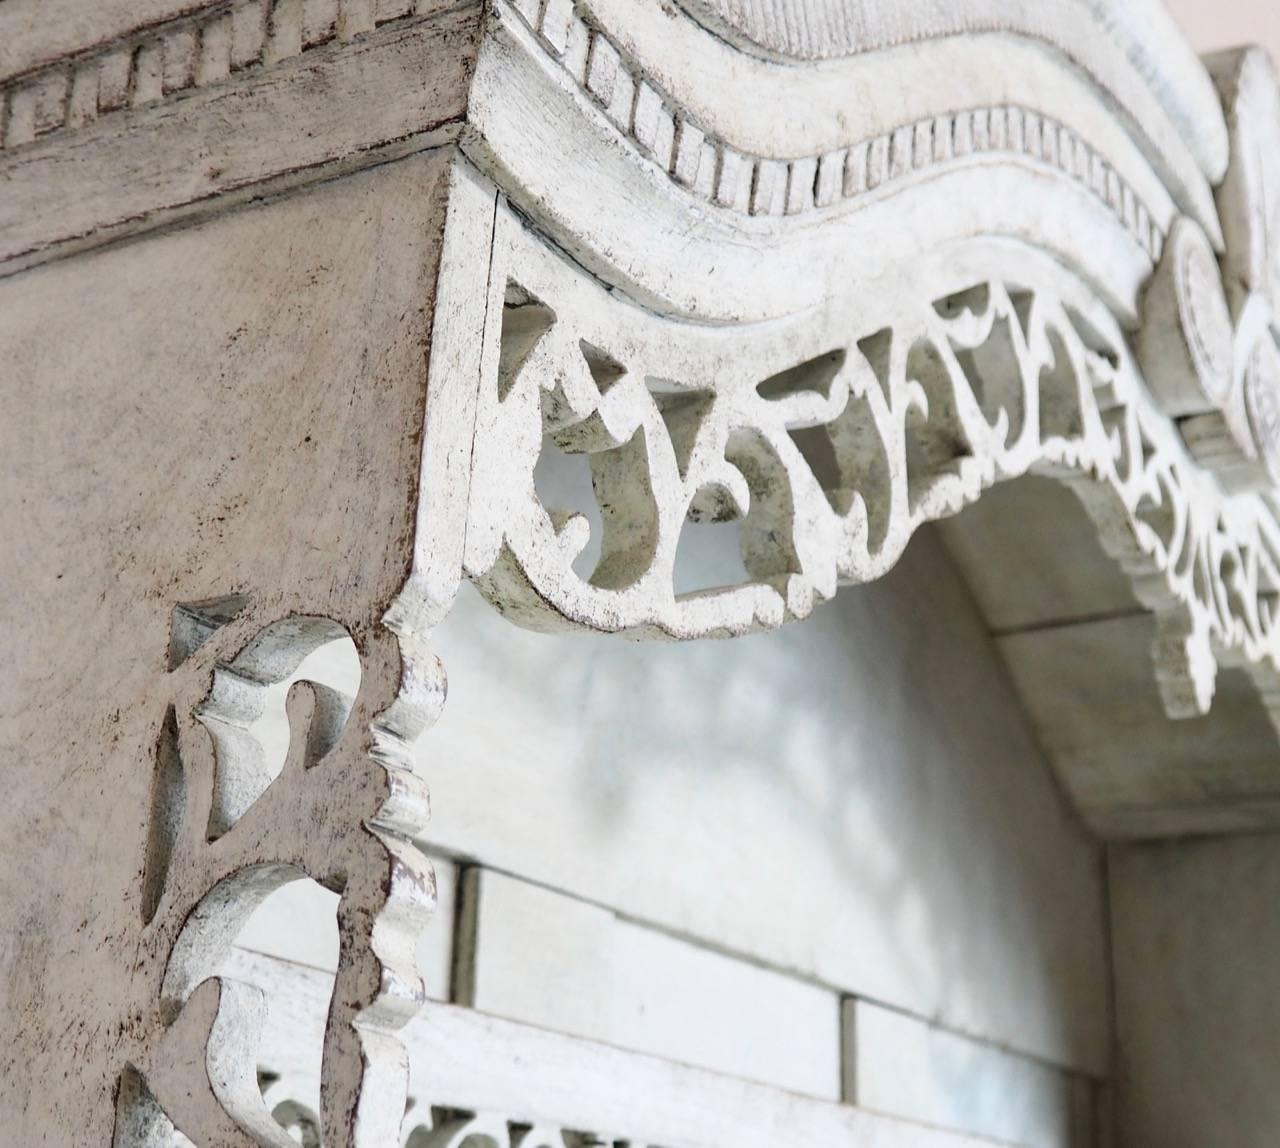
(309, 117)
(296, 923)
(294, 569)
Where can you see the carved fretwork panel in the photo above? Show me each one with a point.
(819, 281)
(212, 462)
(230, 823)
(456, 1130)
(831, 437)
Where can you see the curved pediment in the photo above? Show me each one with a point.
(832, 347)
(771, 141)
(1124, 47)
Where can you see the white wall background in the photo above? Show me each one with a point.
(1197, 938)
(856, 800)
(707, 851)
(1214, 24)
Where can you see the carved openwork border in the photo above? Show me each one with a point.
(230, 822)
(831, 438)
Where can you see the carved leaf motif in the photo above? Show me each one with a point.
(329, 794)
(242, 697)
(448, 1129)
(829, 447)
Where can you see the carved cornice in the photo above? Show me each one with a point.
(231, 42)
(1117, 42)
(211, 137)
(166, 60)
(710, 167)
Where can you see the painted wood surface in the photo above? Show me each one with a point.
(506, 1071)
(817, 296)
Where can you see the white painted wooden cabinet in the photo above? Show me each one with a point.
(925, 354)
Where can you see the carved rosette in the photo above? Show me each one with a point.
(1222, 374)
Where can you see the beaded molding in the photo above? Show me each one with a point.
(712, 169)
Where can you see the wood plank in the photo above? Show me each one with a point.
(1091, 693)
(537, 956)
(687, 1003)
(533, 955)
(339, 108)
(463, 1059)
(1031, 557)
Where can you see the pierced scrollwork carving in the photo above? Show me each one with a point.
(233, 821)
(205, 44)
(451, 1129)
(831, 439)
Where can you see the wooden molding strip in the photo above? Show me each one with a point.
(501, 1071)
(335, 108)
